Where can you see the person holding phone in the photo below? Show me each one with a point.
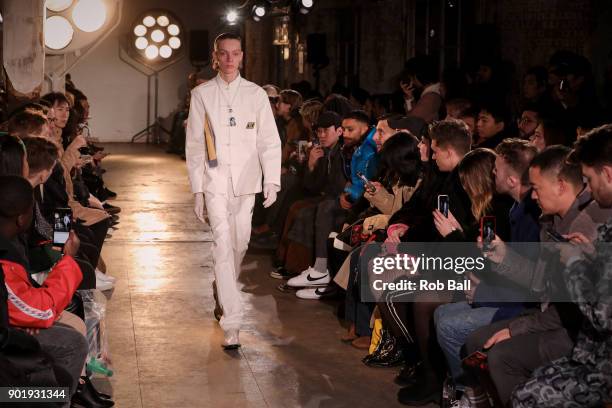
(232, 148)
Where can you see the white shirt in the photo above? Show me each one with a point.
(248, 153)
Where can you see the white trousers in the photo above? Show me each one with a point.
(230, 221)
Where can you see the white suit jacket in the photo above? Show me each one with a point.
(245, 152)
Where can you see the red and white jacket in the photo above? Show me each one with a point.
(34, 307)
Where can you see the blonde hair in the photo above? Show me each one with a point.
(310, 110)
(476, 176)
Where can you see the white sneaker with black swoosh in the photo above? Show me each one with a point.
(310, 277)
(316, 293)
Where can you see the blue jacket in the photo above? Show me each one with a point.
(365, 160)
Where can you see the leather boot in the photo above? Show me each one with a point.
(389, 353)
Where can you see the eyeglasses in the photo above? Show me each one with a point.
(273, 99)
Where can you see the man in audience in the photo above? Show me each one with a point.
(28, 123)
(38, 309)
(491, 125)
(329, 173)
(528, 122)
(520, 345)
(583, 378)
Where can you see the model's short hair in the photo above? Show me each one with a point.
(553, 161)
(17, 197)
(226, 36)
(42, 154)
(27, 123)
(451, 133)
(517, 153)
(594, 149)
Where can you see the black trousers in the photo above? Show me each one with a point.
(512, 362)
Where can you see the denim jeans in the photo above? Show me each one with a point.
(454, 323)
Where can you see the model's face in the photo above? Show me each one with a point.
(352, 130)
(62, 113)
(229, 56)
(329, 136)
(527, 124)
(600, 183)
(383, 133)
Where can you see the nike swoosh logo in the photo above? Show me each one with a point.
(311, 279)
(321, 292)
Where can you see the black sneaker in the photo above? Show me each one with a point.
(283, 287)
(282, 273)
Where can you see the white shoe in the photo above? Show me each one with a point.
(231, 340)
(104, 285)
(104, 277)
(310, 277)
(316, 293)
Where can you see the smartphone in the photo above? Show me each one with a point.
(443, 204)
(301, 150)
(62, 224)
(477, 359)
(487, 231)
(555, 236)
(562, 85)
(367, 183)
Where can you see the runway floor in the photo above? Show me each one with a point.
(163, 339)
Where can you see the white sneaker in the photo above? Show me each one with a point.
(316, 293)
(104, 285)
(104, 277)
(310, 277)
(231, 340)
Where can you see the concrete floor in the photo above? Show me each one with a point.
(163, 339)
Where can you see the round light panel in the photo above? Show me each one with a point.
(58, 32)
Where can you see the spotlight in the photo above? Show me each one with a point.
(141, 43)
(156, 38)
(151, 52)
(232, 17)
(58, 32)
(89, 15)
(174, 43)
(165, 51)
(258, 12)
(305, 6)
(58, 5)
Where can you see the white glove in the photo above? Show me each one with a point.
(198, 208)
(269, 192)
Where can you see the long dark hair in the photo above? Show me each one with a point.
(400, 161)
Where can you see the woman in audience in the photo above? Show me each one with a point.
(550, 132)
(421, 89)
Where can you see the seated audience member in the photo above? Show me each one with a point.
(67, 346)
(28, 123)
(292, 128)
(492, 126)
(337, 103)
(12, 157)
(421, 88)
(457, 108)
(518, 346)
(355, 126)
(534, 89)
(333, 173)
(584, 376)
(550, 132)
(529, 121)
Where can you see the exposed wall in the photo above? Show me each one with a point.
(117, 92)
